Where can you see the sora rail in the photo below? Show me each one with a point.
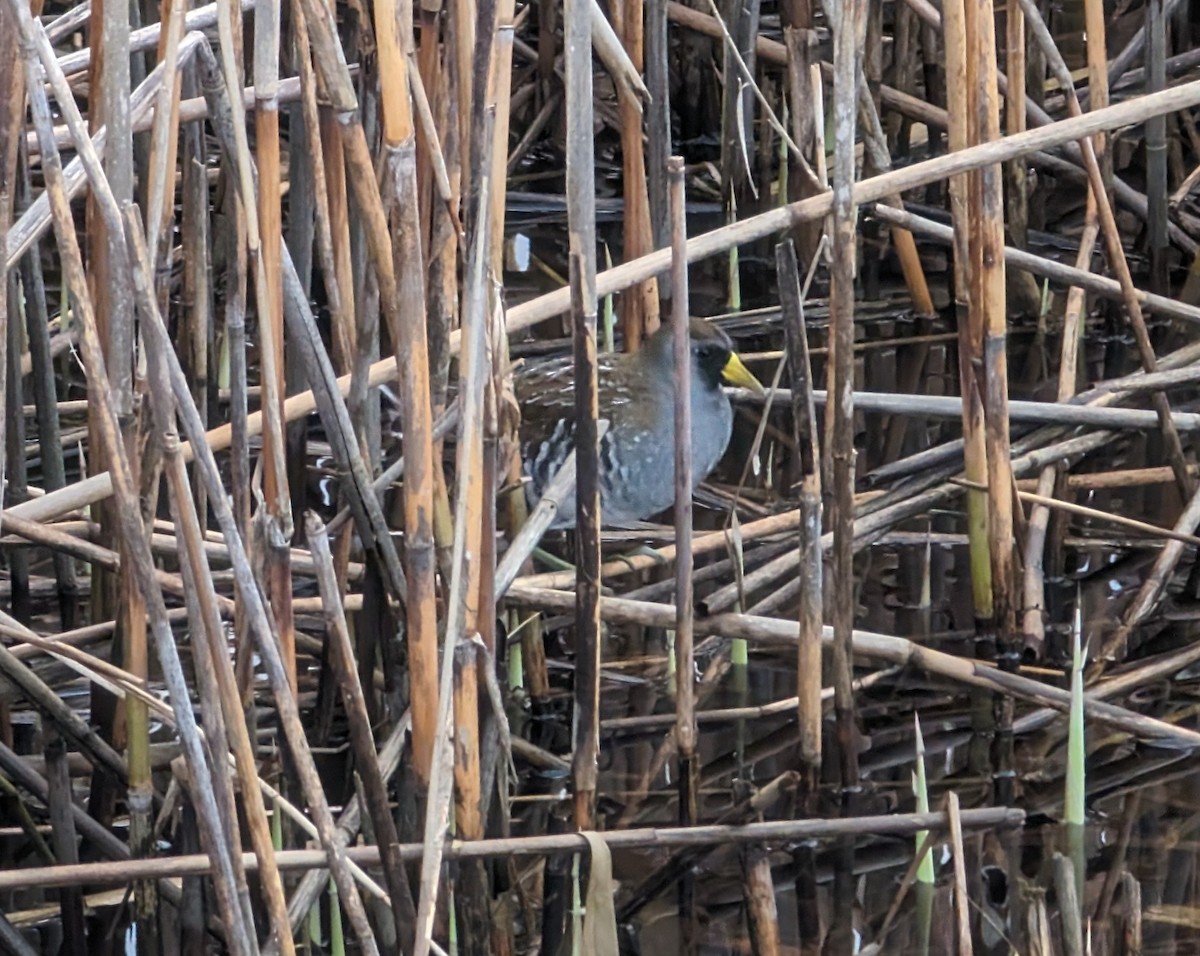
(637, 395)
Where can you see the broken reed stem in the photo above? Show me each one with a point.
(685, 665)
(1034, 603)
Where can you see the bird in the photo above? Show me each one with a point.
(637, 400)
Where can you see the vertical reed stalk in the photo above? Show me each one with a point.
(685, 663)
(197, 334)
(464, 610)
(658, 126)
(581, 226)
(464, 15)
(12, 434)
(229, 25)
(802, 56)
(988, 319)
(963, 101)
(1072, 334)
(12, 118)
(850, 19)
(1077, 302)
(959, 74)
(269, 285)
(805, 431)
(164, 144)
(118, 300)
(1017, 201)
(66, 847)
(409, 338)
(37, 335)
(1074, 315)
(587, 545)
(762, 913)
(639, 304)
(1157, 186)
(461, 608)
(500, 94)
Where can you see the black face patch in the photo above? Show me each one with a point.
(711, 357)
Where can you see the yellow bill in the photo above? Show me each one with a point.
(736, 373)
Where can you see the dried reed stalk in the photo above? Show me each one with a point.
(873, 646)
(405, 305)
(581, 225)
(851, 22)
(362, 739)
(461, 607)
(893, 824)
(958, 81)
(1056, 271)
(686, 732)
(1016, 197)
(584, 768)
(811, 558)
(267, 256)
(639, 305)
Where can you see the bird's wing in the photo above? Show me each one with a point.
(545, 392)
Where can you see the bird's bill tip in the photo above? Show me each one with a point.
(736, 373)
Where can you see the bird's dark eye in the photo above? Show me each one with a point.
(711, 358)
